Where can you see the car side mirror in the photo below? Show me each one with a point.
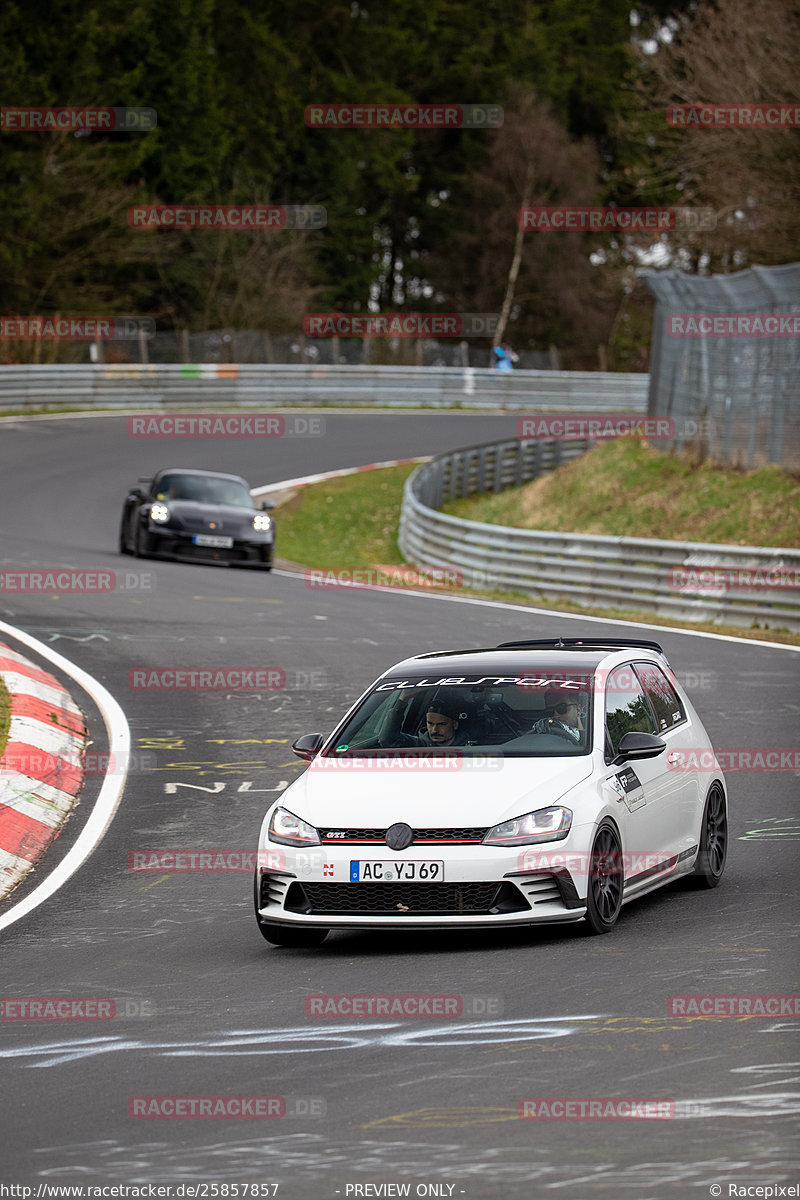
(308, 746)
(137, 493)
(639, 745)
(266, 505)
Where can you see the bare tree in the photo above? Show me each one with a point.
(731, 52)
(542, 283)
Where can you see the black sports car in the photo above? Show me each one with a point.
(201, 516)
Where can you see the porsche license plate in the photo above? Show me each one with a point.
(208, 539)
(394, 871)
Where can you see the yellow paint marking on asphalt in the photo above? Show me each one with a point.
(179, 743)
(717, 949)
(512, 1047)
(160, 879)
(741, 949)
(208, 766)
(453, 1118)
(656, 1024)
(244, 741)
(610, 1025)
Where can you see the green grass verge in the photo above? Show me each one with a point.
(5, 715)
(352, 522)
(347, 522)
(627, 488)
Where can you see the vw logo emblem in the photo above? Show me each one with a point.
(399, 835)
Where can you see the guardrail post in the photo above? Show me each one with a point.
(519, 466)
(438, 484)
(497, 481)
(481, 478)
(455, 473)
(472, 462)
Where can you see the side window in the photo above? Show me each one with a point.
(627, 710)
(663, 697)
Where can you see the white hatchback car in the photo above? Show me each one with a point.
(534, 782)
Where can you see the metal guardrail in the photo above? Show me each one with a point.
(274, 385)
(620, 572)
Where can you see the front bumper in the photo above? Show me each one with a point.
(177, 544)
(482, 887)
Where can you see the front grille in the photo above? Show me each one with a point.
(419, 899)
(435, 833)
(202, 524)
(240, 553)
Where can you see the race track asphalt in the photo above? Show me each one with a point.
(206, 1007)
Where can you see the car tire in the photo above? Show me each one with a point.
(606, 880)
(284, 935)
(123, 545)
(141, 543)
(713, 852)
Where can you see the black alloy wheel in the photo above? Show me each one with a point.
(606, 881)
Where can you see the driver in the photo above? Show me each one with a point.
(441, 724)
(566, 719)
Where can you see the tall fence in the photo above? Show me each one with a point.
(226, 346)
(693, 581)
(741, 388)
(260, 346)
(162, 385)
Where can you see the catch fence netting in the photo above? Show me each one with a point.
(733, 384)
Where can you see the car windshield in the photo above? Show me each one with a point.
(527, 715)
(203, 490)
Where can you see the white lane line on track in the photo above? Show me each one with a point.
(302, 480)
(107, 802)
(549, 612)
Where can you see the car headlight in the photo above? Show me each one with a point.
(288, 829)
(544, 825)
(159, 512)
(262, 522)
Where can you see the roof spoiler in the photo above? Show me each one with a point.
(613, 643)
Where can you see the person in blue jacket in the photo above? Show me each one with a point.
(502, 359)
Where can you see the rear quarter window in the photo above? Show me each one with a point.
(668, 709)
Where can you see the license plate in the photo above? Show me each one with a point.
(396, 871)
(208, 539)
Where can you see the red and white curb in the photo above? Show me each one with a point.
(41, 769)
